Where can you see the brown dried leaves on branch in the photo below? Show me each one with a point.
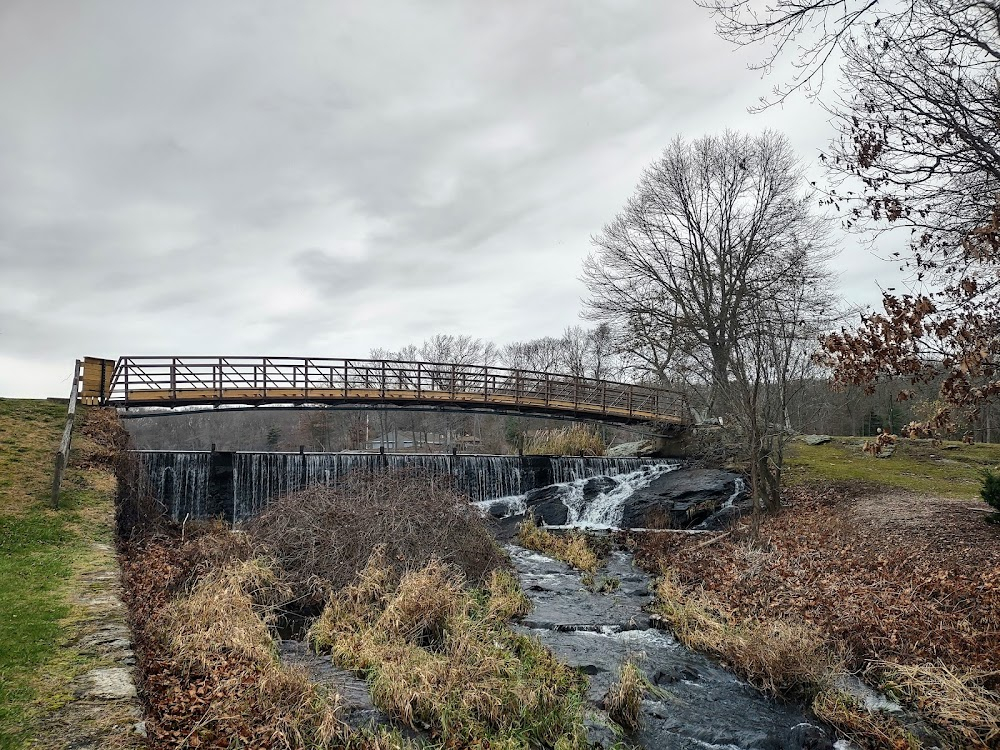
(952, 338)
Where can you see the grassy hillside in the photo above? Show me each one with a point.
(40, 551)
(949, 469)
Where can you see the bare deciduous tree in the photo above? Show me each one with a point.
(714, 273)
(714, 225)
(771, 363)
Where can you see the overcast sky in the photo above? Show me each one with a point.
(321, 178)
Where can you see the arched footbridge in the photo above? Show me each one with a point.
(169, 382)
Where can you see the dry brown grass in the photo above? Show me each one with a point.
(959, 704)
(871, 730)
(577, 440)
(226, 613)
(506, 599)
(323, 536)
(893, 577)
(572, 548)
(788, 659)
(209, 667)
(439, 656)
(222, 623)
(623, 701)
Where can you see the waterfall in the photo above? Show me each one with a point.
(569, 469)
(592, 500)
(195, 483)
(180, 480)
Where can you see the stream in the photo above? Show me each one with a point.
(695, 705)
(699, 704)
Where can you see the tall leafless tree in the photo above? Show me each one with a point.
(771, 362)
(715, 225)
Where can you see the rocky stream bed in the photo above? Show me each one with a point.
(695, 703)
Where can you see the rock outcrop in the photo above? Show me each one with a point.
(680, 499)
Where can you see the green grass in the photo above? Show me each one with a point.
(39, 551)
(33, 565)
(951, 469)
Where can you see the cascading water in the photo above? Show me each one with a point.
(737, 493)
(179, 481)
(593, 500)
(570, 469)
(185, 481)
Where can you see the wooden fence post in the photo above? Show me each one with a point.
(62, 455)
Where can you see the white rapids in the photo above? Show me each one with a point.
(586, 508)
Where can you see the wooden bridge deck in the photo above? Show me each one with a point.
(184, 381)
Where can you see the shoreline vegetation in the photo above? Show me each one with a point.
(54, 565)
(886, 581)
(867, 571)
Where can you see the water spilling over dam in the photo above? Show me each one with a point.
(238, 485)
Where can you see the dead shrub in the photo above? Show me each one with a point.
(623, 701)
(571, 548)
(785, 658)
(322, 536)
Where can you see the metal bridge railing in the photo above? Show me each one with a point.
(173, 381)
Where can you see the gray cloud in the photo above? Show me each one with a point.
(324, 178)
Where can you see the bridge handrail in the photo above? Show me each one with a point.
(213, 375)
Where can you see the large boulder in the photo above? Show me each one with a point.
(640, 448)
(815, 439)
(680, 499)
(546, 504)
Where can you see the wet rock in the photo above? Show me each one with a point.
(806, 736)
(697, 703)
(680, 499)
(598, 485)
(723, 518)
(547, 505)
(505, 529)
(599, 734)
